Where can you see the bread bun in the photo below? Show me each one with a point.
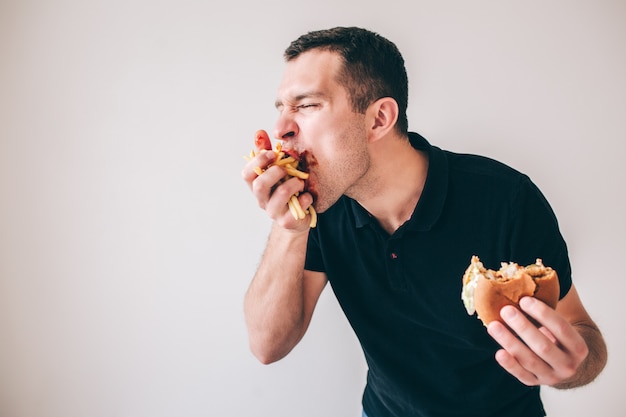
(486, 291)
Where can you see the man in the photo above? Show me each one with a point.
(398, 222)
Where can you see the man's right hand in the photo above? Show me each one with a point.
(272, 194)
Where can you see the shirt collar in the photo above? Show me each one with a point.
(430, 204)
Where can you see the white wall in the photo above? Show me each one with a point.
(127, 237)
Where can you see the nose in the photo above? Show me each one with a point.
(285, 127)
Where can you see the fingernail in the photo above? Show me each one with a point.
(526, 302)
(495, 328)
(508, 312)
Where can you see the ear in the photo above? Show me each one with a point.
(383, 114)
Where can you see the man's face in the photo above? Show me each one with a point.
(316, 116)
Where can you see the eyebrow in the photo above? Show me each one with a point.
(300, 97)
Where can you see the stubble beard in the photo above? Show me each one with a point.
(347, 175)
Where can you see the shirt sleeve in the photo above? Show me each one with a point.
(535, 233)
(314, 260)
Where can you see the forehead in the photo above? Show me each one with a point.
(313, 71)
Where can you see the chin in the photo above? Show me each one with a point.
(322, 204)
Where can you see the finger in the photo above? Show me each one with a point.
(547, 333)
(524, 342)
(559, 329)
(265, 185)
(304, 199)
(301, 215)
(570, 349)
(277, 204)
(531, 336)
(261, 160)
(512, 366)
(512, 348)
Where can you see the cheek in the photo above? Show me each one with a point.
(342, 156)
(345, 168)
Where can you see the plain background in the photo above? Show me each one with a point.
(127, 237)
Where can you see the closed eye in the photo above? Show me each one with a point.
(307, 106)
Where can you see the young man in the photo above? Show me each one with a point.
(399, 220)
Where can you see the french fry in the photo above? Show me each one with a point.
(292, 209)
(290, 164)
(285, 161)
(313, 214)
(300, 213)
(296, 173)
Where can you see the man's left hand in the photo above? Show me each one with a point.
(546, 352)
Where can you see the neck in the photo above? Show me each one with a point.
(395, 182)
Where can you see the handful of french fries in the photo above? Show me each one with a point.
(290, 164)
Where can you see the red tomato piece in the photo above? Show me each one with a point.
(262, 141)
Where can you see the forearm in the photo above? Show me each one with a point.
(595, 361)
(274, 303)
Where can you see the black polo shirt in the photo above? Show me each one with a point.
(402, 293)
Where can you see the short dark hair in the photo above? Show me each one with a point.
(372, 66)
